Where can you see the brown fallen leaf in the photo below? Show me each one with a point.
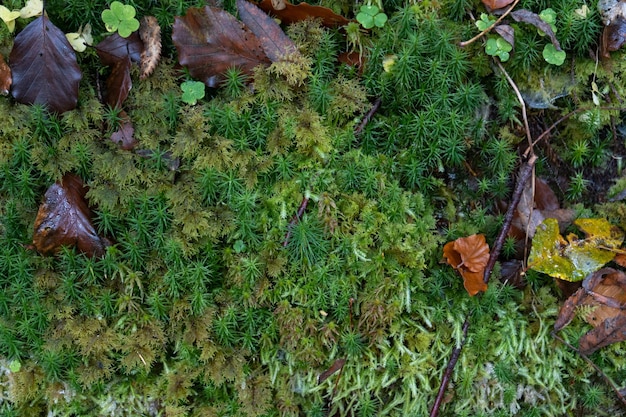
(64, 219)
(44, 67)
(5, 77)
(469, 255)
(210, 41)
(150, 34)
(336, 366)
(124, 135)
(496, 4)
(297, 13)
(605, 292)
(276, 45)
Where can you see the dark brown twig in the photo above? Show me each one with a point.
(604, 376)
(445, 380)
(368, 117)
(525, 173)
(296, 218)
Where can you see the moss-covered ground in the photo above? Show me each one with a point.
(214, 301)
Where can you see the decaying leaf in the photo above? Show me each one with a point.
(336, 366)
(572, 259)
(210, 41)
(150, 34)
(605, 292)
(64, 219)
(113, 48)
(44, 67)
(496, 4)
(613, 36)
(469, 255)
(5, 77)
(297, 13)
(531, 18)
(118, 83)
(276, 45)
(124, 135)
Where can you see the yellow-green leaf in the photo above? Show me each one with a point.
(573, 259)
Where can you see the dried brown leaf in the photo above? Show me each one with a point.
(531, 18)
(5, 77)
(275, 43)
(496, 4)
(210, 41)
(303, 11)
(469, 256)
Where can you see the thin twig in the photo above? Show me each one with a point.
(368, 117)
(604, 376)
(521, 102)
(296, 218)
(525, 173)
(445, 380)
(484, 32)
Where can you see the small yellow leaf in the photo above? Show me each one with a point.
(31, 9)
(80, 40)
(9, 17)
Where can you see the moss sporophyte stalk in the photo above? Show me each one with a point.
(221, 293)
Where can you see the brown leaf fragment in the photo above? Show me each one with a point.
(610, 331)
(297, 13)
(118, 83)
(613, 36)
(507, 32)
(496, 4)
(275, 43)
(64, 219)
(210, 41)
(336, 366)
(150, 34)
(113, 48)
(124, 136)
(44, 67)
(605, 291)
(531, 18)
(5, 77)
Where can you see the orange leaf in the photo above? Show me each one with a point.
(496, 4)
(473, 282)
(474, 252)
(290, 13)
(469, 255)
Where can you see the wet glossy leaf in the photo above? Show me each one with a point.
(573, 259)
(113, 48)
(64, 219)
(469, 256)
(5, 77)
(44, 67)
(210, 41)
(276, 45)
(303, 11)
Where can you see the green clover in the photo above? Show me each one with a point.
(497, 46)
(484, 22)
(192, 91)
(120, 18)
(370, 16)
(552, 56)
(548, 16)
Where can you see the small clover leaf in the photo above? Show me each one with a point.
(484, 22)
(497, 46)
(120, 18)
(552, 56)
(370, 16)
(15, 366)
(548, 16)
(192, 91)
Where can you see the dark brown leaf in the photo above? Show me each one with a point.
(292, 14)
(531, 18)
(5, 77)
(118, 83)
(114, 47)
(64, 219)
(613, 36)
(210, 41)
(150, 34)
(336, 366)
(124, 136)
(44, 67)
(507, 32)
(275, 43)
